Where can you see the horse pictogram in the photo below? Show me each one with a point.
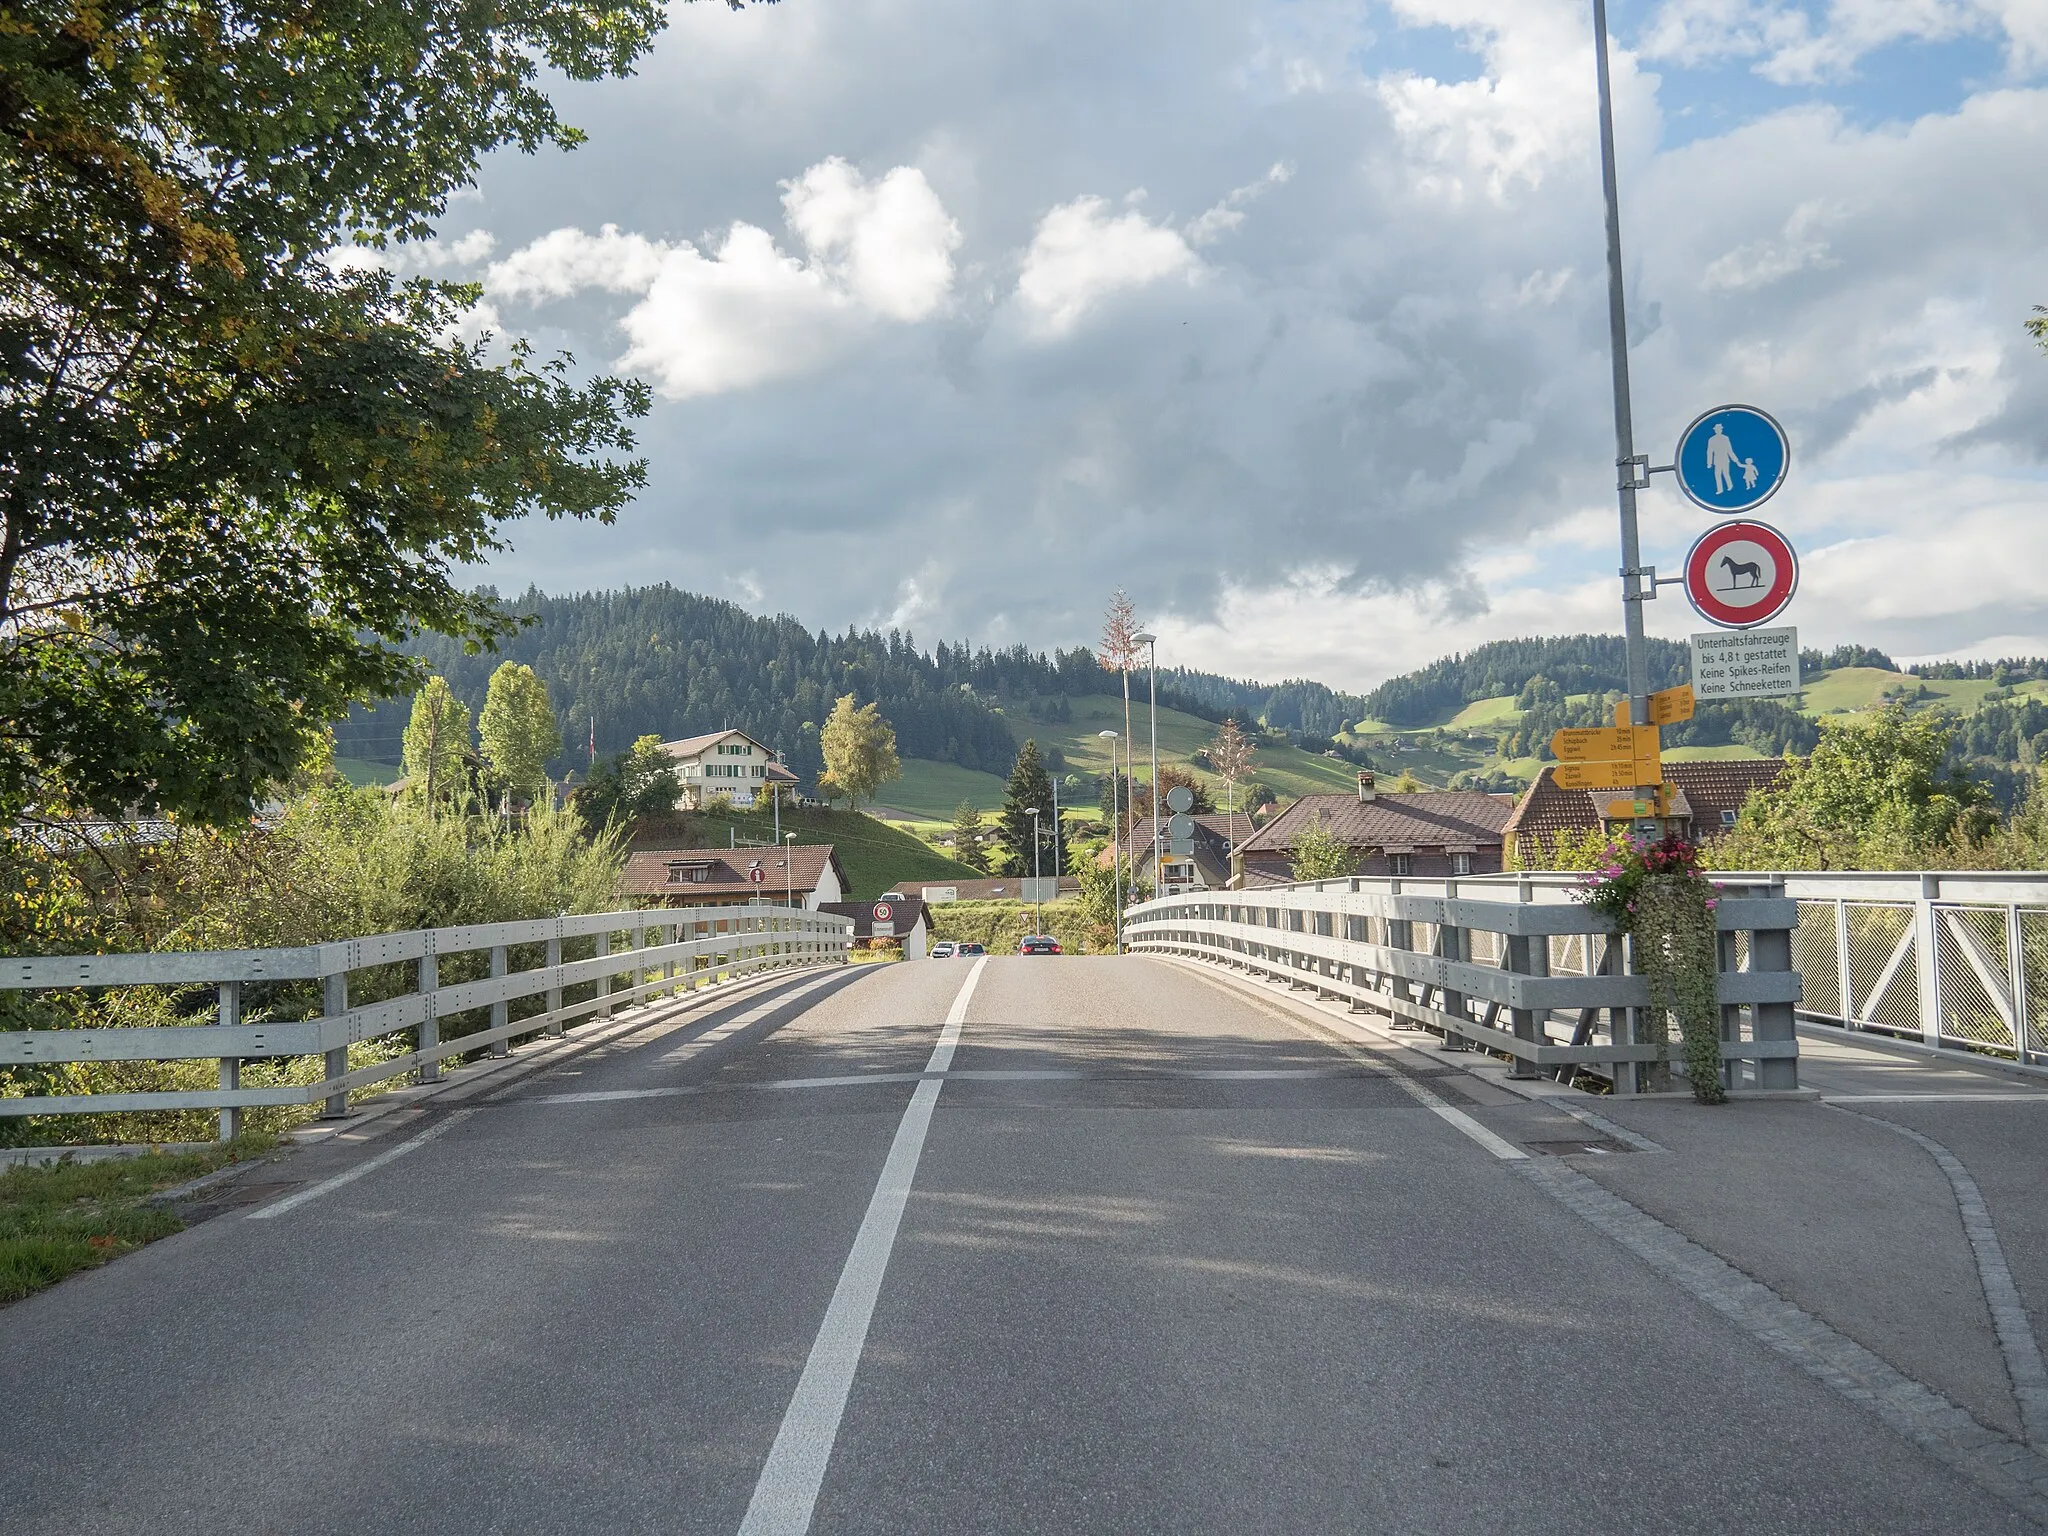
(1737, 569)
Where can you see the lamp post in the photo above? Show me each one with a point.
(789, 869)
(1151, 644)
(1116, 844)
(1632, 477)
(1037, 892)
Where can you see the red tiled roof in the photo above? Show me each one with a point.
(690, 746)
(1704, 791)
(647, 871)
(1445, 819)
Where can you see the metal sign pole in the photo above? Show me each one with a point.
(1629, 479)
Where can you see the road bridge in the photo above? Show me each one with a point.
(1066, 1245)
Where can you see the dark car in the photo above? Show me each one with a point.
(1038, 944)
(967, 950)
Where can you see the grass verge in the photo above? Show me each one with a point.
(58, 1220)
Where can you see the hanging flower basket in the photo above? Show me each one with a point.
(1656, 893)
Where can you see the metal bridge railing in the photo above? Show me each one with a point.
(1946, 960)
(1505, 962)
(666, 951)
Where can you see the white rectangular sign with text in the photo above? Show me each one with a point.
(1745, 664)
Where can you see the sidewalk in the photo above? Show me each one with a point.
(1828, 1202)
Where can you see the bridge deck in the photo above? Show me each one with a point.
(1177, 1254)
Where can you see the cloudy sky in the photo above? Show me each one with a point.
(1289, 316)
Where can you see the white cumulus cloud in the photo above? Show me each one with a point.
(744, 311)
(1083, 254)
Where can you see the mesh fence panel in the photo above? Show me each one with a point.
(2034, 963)
(1975, 987)
(1814, 957)
(1875, 934)
(1487, 946)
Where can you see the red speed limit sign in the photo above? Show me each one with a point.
(883, 912)
(1741, 574)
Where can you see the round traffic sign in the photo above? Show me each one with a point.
(883, 911)
(757, 874)
(1180, 827)
(1180, 798)
(1733, 458)
(1741, 574)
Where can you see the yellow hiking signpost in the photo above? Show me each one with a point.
(1607, 757)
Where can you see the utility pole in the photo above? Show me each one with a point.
(1151, 644)
(1037, 890)
(1631, 470)
(1116, 842)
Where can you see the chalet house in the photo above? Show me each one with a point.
(726, 765)
(1206, 869)
(1433, 835)
(1706, 798)
(905, 921)
(717, 877)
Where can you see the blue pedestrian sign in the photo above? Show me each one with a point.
(1732, 459)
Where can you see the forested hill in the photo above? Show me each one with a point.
(654, 660)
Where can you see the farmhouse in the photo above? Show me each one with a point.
(1706, 799)
(726, 765)
(1437, 834)
(715, 877)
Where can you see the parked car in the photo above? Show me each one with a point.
(1038, 944)
(943, 950)
(963, 951)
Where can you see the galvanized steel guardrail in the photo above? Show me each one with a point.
(1505, 962)
(667, 951)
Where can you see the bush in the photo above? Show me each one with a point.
(337, 862)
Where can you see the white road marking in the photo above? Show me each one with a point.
(328, 1186)
(1499, 1146)
(786, 1493)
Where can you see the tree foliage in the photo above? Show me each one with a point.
(859, 750)
(970, 836)
(1876, 793)
(629, 786)
(1317, 854)
(235, 472)
(1030, 786)
(437, 744)
(517, 726)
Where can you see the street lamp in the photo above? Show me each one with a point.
(1116, 845)
(1037, 891)
(789, 869)
(1151, 644)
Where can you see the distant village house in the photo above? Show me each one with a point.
(714, 877)
(1438, 835)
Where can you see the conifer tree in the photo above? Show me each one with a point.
(1030, 786)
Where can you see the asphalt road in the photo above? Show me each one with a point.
(1163, 1262)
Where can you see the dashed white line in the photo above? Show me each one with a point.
(328, 1186)
(786, 1493)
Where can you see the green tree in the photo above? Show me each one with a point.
(1316, 854)
(627, 786)
(1875, 793)
(518, 728)
(1029, 786)
(970, 836)
(860, 752)
(436, 744)
(234, 472)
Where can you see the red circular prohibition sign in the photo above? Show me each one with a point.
(1740, 574)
